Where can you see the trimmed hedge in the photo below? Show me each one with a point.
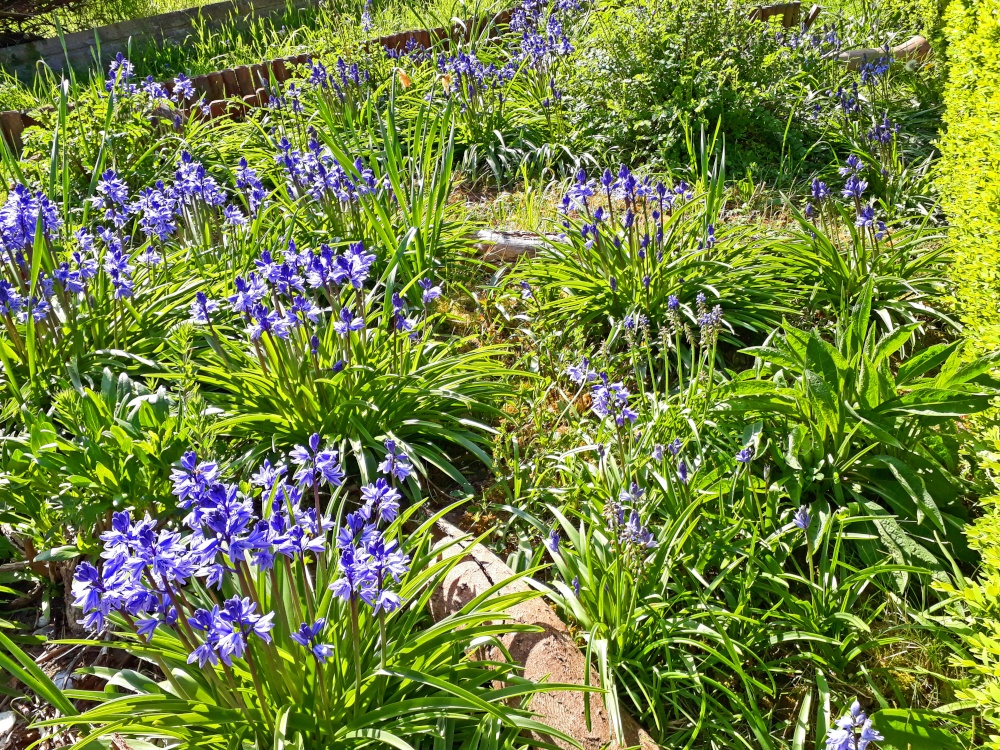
(970, 187)
(970, 164)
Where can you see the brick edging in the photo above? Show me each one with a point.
(229, 92)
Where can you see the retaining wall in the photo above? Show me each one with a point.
(97, 47)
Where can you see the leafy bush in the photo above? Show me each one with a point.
(970, 184)
(976, 614)
(857, 432)
(970, 166)
(644, 71)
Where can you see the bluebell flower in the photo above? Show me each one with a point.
(192, 478)
(802, 518)
(430, 292)
(381, 500)
(316, 464)
(845, 733)
(396, 463)
(249, 293)
(633, 532)
(883, 132)
(581, 373)
(348, 322)
(202, 308)
(854, 187)
(868, 735)
(633, 494)
(233, 216)
(155, 90)
(307, 636)
(354, 266)
(552, 542)
(120, 71)
(156, 210)
(19, 218)
(745, 455)
(193, 184)
(853, 166)
(11, 300)
(866, 217)
(611, 400)
(682, 471)
(303, 310)
(183, 88)
(356, 576)
(820, 191)
(248, 181)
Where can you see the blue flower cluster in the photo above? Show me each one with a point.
(316, 173)
(610, 400)
(638, 195)
(153, 94)
(19, 218)
(344, 81)
(853, 731)
(145, 567)
(367, 558)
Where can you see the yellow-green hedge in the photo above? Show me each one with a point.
(970, 167)
(970, 187)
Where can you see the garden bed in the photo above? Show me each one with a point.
(698, 415)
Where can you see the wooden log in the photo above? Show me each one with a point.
(260, 75)
(789, 13)
(279, 70)
(218, 108)
(200, 84)
(915, 48)
(263, 97)
(12, 125)
(811, 17)
(229, 83)
(245, 81)
(216, 88)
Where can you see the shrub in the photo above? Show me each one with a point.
(970, 165)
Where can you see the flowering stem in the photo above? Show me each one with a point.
(257, 687)
(356, 637)
(382, 638)
(236, 692)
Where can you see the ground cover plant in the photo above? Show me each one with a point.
(726, 420)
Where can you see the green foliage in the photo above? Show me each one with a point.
(398, 679)
(102, 451)
(743, 419)
(976, 612)
(970, 185)
(970, 166)
(851, 430)
(646, 70)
